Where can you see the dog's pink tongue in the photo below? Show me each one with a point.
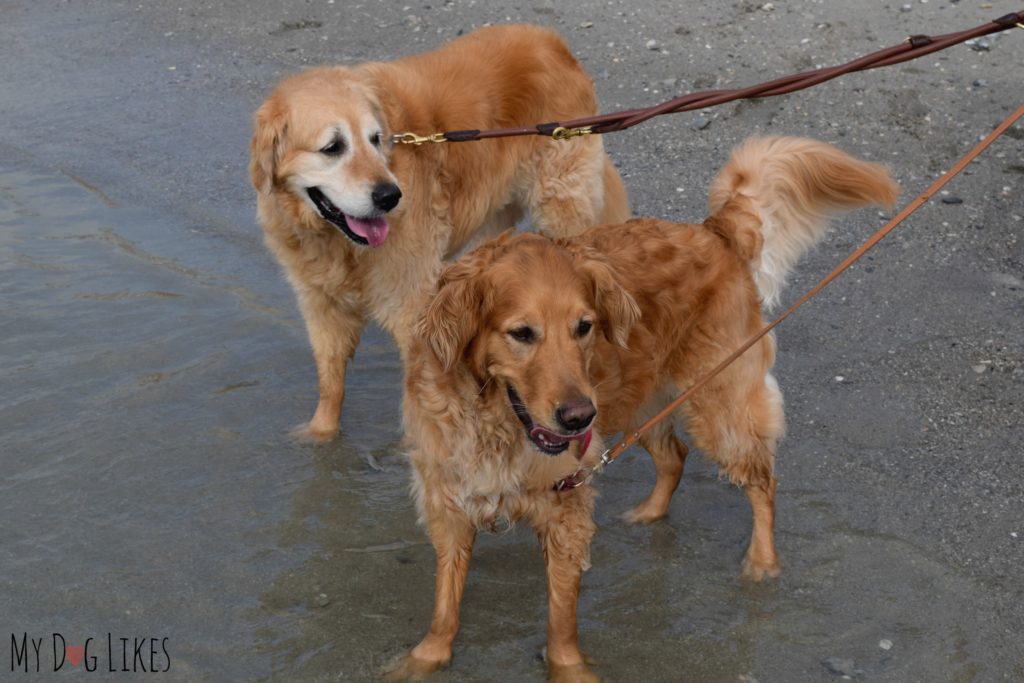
(375, 230)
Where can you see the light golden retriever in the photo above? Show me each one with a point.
(532, 346)
(361, 226)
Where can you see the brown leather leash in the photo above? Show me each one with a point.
(583, 474)
(911, 48)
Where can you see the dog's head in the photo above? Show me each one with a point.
(322, 141)
(527, 313)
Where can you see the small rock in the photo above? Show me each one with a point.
(669, 83)
(885, 644)
(980, 83)
(652, 44)
(700, 123)
(322, 600)
(840, 666)
(952, 200)
(980, 368)
(906, 8)
(587, 24)
(767, 7)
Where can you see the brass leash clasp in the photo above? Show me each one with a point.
(563, 133)
(413, 139)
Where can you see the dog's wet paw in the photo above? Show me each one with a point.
(644, 514)
(405, 667)
(757, 572)
(575, 673)
(307, 433)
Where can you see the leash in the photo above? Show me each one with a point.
(584, 474)
(911, 48)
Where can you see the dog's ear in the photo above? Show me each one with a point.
(384, 110)
(453, 318)
(615, 306)
(270, 125)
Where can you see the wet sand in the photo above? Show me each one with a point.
(153, 361)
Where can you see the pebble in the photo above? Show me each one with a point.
(700, 123)
(980, 368)
(322, 600)
(652, 44)
(885, 644)
(906, 8)
(980, 83)
(840, 666)
(587, 24)
(952, 200)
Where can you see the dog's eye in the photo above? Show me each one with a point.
(375, 139)
(583, 328)
(523, 334)
(334, 149)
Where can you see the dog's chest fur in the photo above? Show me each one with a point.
(470, 451)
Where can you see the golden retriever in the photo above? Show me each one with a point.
(532, 346)
(361, 226)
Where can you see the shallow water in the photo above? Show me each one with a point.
(150, 492)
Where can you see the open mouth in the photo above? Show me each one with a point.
(544, 439)
(365, 231)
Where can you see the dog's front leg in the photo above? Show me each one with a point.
(334, 328)
(565, 529)
(453, 535)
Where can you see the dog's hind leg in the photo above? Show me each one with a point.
(737, 421)
(453, 535)
(565, 526)
(574, 186)
(761, 559)
(669, 456)
(615, 208)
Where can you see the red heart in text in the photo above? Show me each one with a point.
(75, 654)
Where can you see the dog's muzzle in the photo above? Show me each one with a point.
(543, 439)
(370, 231)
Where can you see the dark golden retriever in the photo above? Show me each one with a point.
(361, 227)
(532, 346)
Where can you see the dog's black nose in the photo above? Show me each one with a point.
(575, 415)
(385, 196)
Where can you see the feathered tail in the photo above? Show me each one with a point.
(773, 198)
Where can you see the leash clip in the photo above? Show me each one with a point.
(563, 133)
(413, 139)
(583, 474)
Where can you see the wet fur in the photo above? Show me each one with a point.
(493, 78)
(669, 301)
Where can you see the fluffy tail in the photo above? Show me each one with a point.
(773, 198)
